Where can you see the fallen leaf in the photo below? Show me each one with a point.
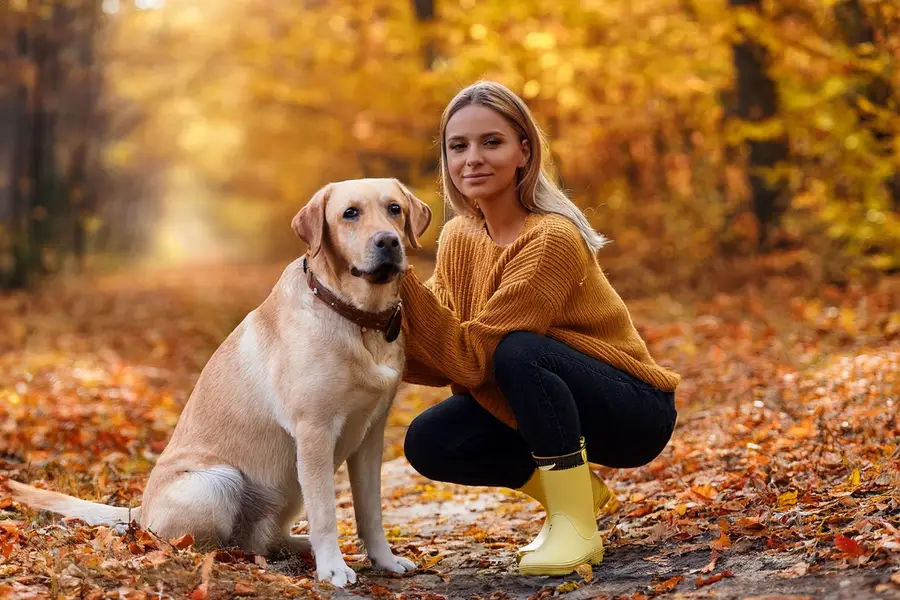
(200, 592)
(855, 478)
(657, 533)
(706, 491)
(668, 585)
(712, 563)
(183, 542)
(702, 581)
(569, 586)
(848, 546)
(243, 588)
(586, 571)
(798, 570)
(723, 542)
(787, 499)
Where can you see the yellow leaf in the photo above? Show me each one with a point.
(681, 509)
(787, 499)
(855, 478)
(569, 586)
(433, 560)
(611, 506)
(586, 571)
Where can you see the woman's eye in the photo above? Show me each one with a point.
(351, 213)
(492, 143)
(394, 209)
(457, 147)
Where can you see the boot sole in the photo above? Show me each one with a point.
(595, 558)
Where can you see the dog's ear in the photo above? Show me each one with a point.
(309, 223)
(419, 216)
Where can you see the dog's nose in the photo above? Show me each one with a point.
(387, 248)
(386, 239)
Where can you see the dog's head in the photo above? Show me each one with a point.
(365, 224)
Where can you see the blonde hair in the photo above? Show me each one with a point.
(535, 187)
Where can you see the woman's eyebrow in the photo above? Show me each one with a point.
(483, 135)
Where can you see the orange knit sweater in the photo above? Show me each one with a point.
(546, 281)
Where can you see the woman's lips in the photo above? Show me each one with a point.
(479, 177)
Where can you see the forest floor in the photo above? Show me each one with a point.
(782, 479)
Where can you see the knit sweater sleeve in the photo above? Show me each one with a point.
(416, 371)
(534, 287)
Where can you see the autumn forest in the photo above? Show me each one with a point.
(742, 155)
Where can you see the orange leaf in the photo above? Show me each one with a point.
(243, 588)
(183, 542)
(706, 491)
(668, 585)
(712, 563)
(848, 546)
(701, 581)
(723, 542)
(199, 592)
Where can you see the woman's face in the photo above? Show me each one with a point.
(483, 153)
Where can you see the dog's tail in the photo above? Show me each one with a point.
(92, 513)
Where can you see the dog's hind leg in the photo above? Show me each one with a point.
(261, 528)
(205, 503)
(287, 541)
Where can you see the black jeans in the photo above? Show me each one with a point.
(557, 395)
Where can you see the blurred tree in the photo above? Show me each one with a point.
(757, 102)
(217, 121)
(50, 104)
(877, 94)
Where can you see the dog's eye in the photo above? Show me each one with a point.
(394, 209)
(351, 213)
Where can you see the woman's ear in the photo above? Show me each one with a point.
(526, 153)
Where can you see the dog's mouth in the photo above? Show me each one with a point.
(383, 273)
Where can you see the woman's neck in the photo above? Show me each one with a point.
(504, 217)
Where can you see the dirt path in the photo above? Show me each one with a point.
(442, 524)
(783, 476)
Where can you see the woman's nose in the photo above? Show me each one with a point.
(473, 157)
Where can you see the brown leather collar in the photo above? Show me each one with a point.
(388, 321)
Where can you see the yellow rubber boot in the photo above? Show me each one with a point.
(572, 537)
(534, 489)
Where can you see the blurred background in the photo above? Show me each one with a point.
(707, 138)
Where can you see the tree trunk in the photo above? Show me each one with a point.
(757, 100)
(425, 15)
(857, 28)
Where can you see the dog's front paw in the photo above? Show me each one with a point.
(394, 564)
(337, 573)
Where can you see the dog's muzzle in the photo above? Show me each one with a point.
(386, 258)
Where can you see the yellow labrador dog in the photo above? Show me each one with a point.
(303, 384)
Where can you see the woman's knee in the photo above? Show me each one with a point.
(515, 351)
(422, 446)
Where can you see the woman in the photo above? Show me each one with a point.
(545, 364)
